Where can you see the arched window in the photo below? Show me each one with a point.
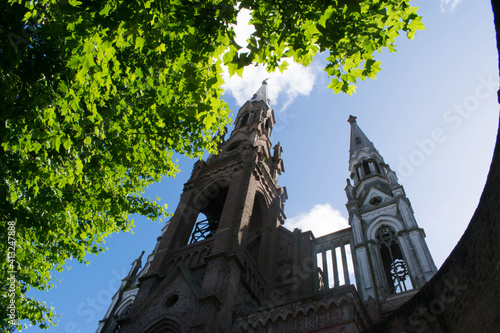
(366, 168)
(268, 127)
(395, 269)
(377, 167)
(244, 120)
(166, 325)
(255, 228)
(208, 219)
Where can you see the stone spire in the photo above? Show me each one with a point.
(358, 138)
(364, 159)
(261, 94)
(390, 252)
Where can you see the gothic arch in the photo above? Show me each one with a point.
(194, 259)
(366, 167)
(396, 223)
(259, 220)
(209, 204)
(125, 306)
(268, 127)
(394, 264)
(244, 120)
(363, 155)
(210, 191)
(205, 252)
(163, 325)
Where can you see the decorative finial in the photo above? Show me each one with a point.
(265, 81)
(351, 119)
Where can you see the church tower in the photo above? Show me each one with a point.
(389, 251)
(217, 254)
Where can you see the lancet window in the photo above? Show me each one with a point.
(395, 268)
(208, 219)
(366, 167)
(244, 120)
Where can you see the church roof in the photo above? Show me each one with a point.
(358, 138)
(261, 94)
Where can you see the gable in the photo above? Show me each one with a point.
(375, 198)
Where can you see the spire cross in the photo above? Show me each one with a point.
(351, 119)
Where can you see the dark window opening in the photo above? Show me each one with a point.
(395, 269)
(375, 200)
(244, 120)
(366, 168)
(268, 127)
(233, 146)
(377, 167)
(255, 229)
(171, 300)
(208, 219)
(256, 219)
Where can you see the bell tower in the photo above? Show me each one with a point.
(389, 251)
(225, 262)
(217, 254)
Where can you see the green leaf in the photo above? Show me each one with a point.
(336, 86)
(13, 196)
(66, 143)
(74, 3)
(161, 48)
(283, 67)
(27, 16)
(326, 16)
(139, 43)
(105, 11)
(57, 142)
(416, 24)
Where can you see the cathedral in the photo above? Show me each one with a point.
(226, 263)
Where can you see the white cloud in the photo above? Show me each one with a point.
(295, 81)
(449, 5)
(322, 219)
(242, 28)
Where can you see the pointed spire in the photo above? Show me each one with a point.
(358, 138)
(261, 94)
(136, 265)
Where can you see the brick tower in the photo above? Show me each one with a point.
(216, 254)
(225, 263)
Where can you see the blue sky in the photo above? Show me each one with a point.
(432, 114)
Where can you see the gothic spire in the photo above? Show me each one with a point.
(358, 138)
(261, 94)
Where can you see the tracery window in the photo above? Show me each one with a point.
(395, 268)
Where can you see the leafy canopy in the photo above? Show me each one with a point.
(98, 95)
